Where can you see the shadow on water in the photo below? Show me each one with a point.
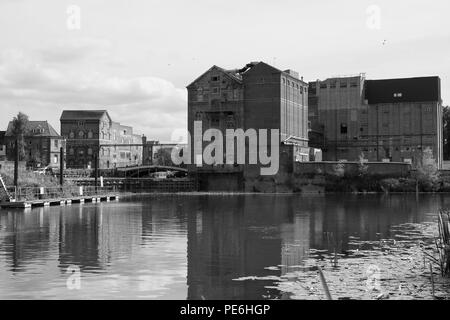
(195, 247)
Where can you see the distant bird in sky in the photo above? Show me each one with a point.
(384, 42)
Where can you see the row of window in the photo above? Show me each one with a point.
(293, 84)
(105, 136)
(333, 85)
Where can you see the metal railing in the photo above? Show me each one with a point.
(41, 193)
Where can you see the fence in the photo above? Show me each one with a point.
(37, 193)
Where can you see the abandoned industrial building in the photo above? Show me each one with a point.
(258, 96)
(390, 120)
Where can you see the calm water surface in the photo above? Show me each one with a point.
(221, 247)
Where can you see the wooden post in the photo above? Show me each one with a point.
(61, 166)
(16, 163)
(324, 284)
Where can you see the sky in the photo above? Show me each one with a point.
(135, 58)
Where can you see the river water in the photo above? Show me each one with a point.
(223, 247)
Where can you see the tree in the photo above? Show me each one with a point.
(163, 157)
(427, 170)
(19, 125)
(363, 168)
(446, 132)
(339, 169)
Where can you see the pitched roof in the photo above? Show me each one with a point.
(233, 74)
(36, 129)
(83, 114)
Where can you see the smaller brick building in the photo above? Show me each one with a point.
(42, 144)
(92, 132)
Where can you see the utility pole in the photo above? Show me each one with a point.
(96, 171)
(16, 164)
(61, 166)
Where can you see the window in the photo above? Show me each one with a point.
(333, 85)
(343, 128)
(343, 84)
(353, 84)
(323, 85)
(215, 90)
(81, 134)
(90, 135)
(90, 151)
(215, 78)
(71, 151)
(55, 159)
(55, 143)
(72, 135)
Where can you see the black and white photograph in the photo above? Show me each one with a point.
(242, 153)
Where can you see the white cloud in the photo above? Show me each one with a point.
(42, 85)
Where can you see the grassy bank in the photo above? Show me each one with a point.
(29, 179)
(30, 184)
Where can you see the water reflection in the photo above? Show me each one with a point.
(191, 247)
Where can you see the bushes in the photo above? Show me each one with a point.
(352, 183)
(29, 179)
(398, 185)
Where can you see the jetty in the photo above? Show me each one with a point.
(56, 202)
(22, 198)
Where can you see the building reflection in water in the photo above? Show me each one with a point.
(143, 242)
(247, 236)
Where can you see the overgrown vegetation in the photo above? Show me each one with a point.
(425, 178)
(439, 255)
(29, 179)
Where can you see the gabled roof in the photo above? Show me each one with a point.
(232, 74)
(35, 129)
(83, 115)
(286, 73)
